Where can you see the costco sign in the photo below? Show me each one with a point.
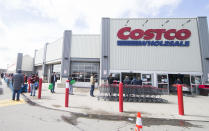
(152, 37)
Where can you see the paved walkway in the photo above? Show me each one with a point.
(196, 108)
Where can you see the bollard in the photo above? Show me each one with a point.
(40, 88)
(120, 97)
(180, 99)
(28, 86)
(67, 93)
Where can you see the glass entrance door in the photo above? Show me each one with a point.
(146, 79)
(162, 80)
(195, 82)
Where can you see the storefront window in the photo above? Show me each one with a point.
(81, 72)
(130, 76)
(146, 79)
(162, 80)
(57, 70)
(196, 80)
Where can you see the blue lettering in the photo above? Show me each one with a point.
(166, 43)
(187, 43)
(152, 43)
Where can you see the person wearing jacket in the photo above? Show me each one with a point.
(134, 81)
(126, 80)
(70, 85)
(17, 81)
(92, 82)
(32, 85)
(53, 81)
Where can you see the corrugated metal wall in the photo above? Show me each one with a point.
(27, 63)
(39, 57)
(204, 46)
(85, 46)
(159, 58)
(54, 51)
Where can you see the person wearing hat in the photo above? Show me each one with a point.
(18, 81)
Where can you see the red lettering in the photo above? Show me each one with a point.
(136, 34)
(121, 32)
(186, 35)
(148, 34)
(126, 33)
(159, 33)
(168, 33)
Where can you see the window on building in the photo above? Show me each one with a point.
(57, 70)
(81, 71)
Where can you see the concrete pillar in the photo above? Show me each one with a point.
(66, 49)
(19, 61)
(44, 74)
(204, 45)
(155, 80)
(105, 58)
(34, 61)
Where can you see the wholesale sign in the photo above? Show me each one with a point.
(139, 37)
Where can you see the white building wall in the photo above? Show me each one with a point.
(159, 58)
(27, 63)
(85, 46)
(54, 51)
(39, 57)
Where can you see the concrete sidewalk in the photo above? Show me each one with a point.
(195, 108)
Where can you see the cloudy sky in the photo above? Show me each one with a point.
(26, 25)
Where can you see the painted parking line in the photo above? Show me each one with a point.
(7, 102)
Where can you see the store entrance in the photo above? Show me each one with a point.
(184, 79)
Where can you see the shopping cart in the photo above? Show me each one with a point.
(132, 93)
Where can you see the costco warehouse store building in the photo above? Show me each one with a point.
(158, 50)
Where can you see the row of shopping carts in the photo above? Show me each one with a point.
(132, 93)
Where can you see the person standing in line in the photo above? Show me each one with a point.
(17, 81)
(70, 85)
(110, 79)
(53, 81)
(32, 85)
(36, 81)
(139, 81)
(178, 81)
(134, 81)
(92, 81)
(110, 82)
(126, 80)
(2, 75)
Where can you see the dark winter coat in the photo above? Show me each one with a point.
(17, 80)
(52, 79)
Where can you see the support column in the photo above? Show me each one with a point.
(155, 82)
(66, 50)
(44, 62)
(204, 45)
(34, 61)
(19, 61)
(105, 58)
